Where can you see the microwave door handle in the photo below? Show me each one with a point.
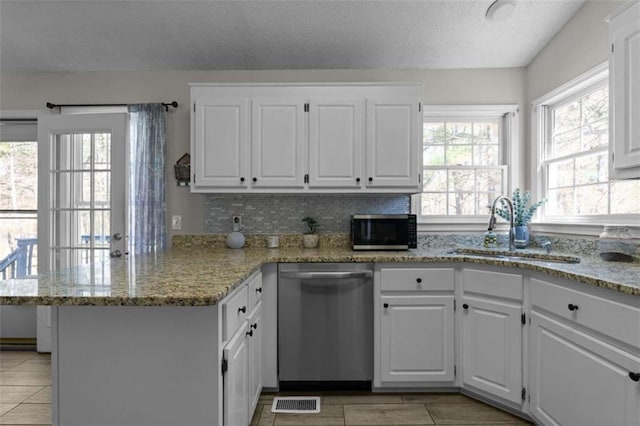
(325, 275)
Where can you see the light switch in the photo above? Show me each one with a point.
(176, 221)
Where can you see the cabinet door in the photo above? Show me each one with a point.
(492, 347)
(235, 380)
(255, 358)
(579, 380)
(416, 339)
(335, 143)
(394, 139)
(625, 69)
(278, 143)
(220, 149)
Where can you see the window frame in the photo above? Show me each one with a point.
(541, 123)
(509, 147)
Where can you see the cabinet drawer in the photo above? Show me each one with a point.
(416, 279)
(617, 320)
(234, 311)
(255, 290)
(492, 283)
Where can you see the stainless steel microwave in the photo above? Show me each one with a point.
(383, 231)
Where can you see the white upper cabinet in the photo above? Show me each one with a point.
(624, 87)
(220, 160)
(393, 126)
(306, 138)
(278, 143)
(335, 143)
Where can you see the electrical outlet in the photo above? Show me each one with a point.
(237, 223)
(176, 222)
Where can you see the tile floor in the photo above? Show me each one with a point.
(25, 399)
(363, 409)
(25, 388)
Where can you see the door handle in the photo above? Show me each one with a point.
(116, 253)
(117, 236)
(323, 275)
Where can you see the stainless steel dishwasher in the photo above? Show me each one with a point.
(325, 326)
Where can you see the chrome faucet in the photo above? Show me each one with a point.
(492, 219)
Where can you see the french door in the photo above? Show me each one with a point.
(81, 206)
(81, 194)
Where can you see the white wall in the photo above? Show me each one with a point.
(17, 321)
(19, 91)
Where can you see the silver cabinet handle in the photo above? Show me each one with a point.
(324, 275)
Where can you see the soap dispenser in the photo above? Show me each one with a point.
(235, 239)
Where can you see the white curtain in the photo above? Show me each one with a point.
(147, 193)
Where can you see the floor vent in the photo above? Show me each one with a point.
(295, 404)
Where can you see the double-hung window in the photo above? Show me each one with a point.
(18, 197)
(466, 158)
(573, 164)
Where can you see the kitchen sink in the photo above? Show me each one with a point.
(505, 255)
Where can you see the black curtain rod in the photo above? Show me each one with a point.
(52, 105)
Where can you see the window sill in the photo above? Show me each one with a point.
(582, 229)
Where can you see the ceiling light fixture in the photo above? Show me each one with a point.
(500, 10)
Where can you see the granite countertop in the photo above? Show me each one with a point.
(199, 276)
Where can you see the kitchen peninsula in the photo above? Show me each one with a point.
(140, 340)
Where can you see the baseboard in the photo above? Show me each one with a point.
(18, 344)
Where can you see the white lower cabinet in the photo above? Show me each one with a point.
(255, 357)
(584, 355)
(414, 332)
(577, 379)
(242, 353)
(236, 379)
(416, 336)
(491, 324)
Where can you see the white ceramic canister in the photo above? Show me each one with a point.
(235, 240)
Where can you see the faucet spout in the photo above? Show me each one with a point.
(492, 219)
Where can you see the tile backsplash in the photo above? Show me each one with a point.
(283, 213)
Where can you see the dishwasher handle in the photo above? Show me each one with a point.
(326, 274)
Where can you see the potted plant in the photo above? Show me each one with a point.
(522, 212)
(310, 238)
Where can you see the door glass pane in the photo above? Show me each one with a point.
(87, 189)
(81, 206)
(102, 191)
(102, 228)
(102, 151)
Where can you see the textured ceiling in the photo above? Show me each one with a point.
(55, 35)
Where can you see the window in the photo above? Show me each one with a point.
(18, 198)
(574, 160)
(465, 161)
